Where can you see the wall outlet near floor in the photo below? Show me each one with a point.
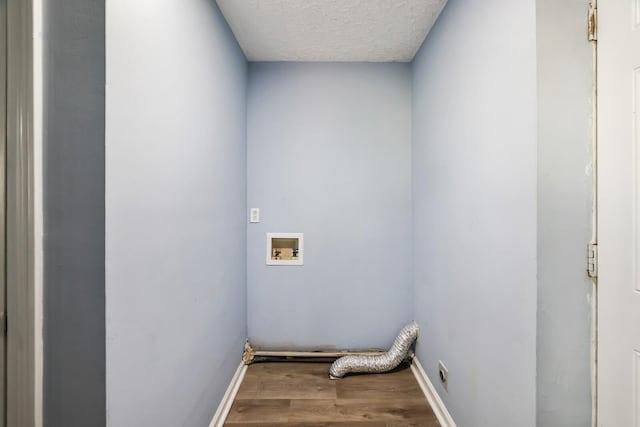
(443, 373)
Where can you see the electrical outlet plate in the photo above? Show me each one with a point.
(443, 373)
(254, 215)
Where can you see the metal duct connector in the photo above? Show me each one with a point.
(379, 363)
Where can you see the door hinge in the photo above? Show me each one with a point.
(592, 260)
(592, 25)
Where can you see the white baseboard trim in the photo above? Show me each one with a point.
(225, 405)
(431, 394)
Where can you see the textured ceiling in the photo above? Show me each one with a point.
(330, 30)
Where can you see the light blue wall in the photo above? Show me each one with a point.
(175, 211)
(565, 201)
(474, 197)
(329, 155)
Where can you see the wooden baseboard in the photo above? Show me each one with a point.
(432, 396)
(225, 405)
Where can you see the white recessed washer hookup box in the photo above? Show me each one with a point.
(285, 248)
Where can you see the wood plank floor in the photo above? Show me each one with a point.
(301, 394)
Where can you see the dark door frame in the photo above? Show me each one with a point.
(20, 274)
(3, 218)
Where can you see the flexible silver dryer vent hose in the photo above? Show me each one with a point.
(379, 363)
